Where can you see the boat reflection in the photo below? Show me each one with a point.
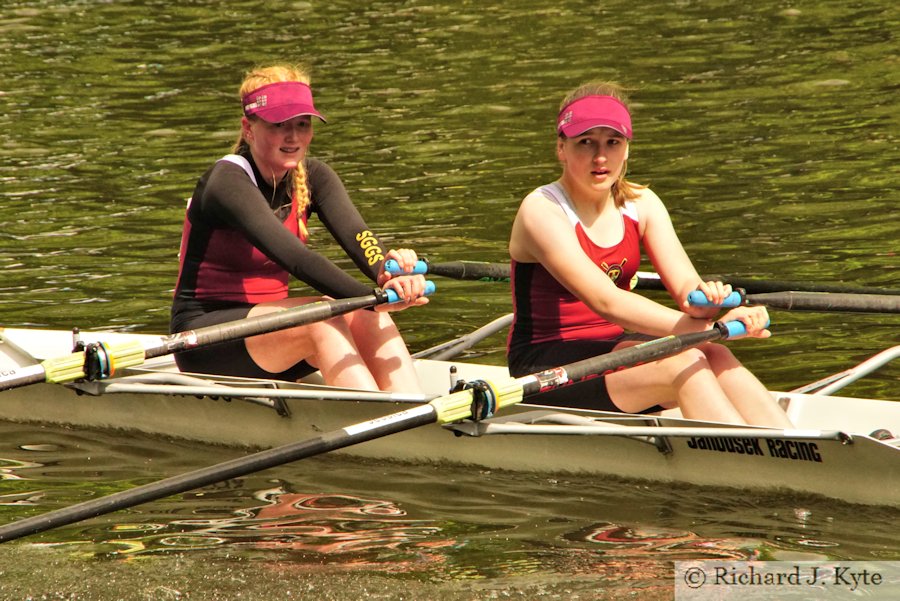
(334, 528)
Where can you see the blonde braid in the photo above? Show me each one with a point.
(301, 196)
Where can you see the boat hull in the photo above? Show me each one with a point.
(854, 468)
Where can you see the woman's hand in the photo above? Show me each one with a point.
(410, 288)
(405, 257)
(716, 293)
(755, 319)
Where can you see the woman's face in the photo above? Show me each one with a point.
(593, 161)
(278, 147)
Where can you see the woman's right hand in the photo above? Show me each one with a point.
(410, 289)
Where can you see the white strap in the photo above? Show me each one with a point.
(242, 163)
(557, 194)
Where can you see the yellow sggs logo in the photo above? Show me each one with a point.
(369, 243)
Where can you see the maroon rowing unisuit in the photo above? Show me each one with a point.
(545, 311)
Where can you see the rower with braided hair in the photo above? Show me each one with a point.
(245, 235)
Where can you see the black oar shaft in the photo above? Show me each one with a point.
(766, 286)
(471, 270)
(242, 466)
(827, 301)
(131, 352)
(626, 357)
(262, 324)
(497, 272)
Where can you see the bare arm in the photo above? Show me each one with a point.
(541, 233)
(678, 274)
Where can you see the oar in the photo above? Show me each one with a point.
(481, 398)
(499, 272)
(452, 348)
(651, 281)
(806, 301)
(457, 270)
(100, 360)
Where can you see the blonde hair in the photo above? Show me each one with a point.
(623, 190)
(257, 78)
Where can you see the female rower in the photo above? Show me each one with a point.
(245, 233)
(575, 246)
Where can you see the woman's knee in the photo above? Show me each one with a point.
(371, 324)
(689, 359)
(720, 357)
(326, 331)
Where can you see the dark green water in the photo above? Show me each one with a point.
(769, 129)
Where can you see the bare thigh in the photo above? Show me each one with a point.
(636, 388)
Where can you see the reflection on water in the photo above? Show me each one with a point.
(347, 529)
(440, 523)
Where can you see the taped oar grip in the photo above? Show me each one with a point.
(458, 406)
(698, 299)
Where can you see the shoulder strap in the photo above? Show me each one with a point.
(557, 194)
(242, 163)
(630, 210)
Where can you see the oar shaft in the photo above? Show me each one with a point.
(498, 272)
(828, 301)
(263, 324)
(457, 270)
(236, 468)
(626, 357)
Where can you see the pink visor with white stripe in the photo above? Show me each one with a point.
(280, 101)
(589, 112)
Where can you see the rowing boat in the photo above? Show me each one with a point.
(842, 447)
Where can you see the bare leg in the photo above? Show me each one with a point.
(382, 347)
(707, 383)
(328, 345)
(362, 349)
(748, 395)
(686, 377)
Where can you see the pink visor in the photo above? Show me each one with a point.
(594, 111)
(280, 101)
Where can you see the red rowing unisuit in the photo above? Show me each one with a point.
(545, 311)
(232, 267)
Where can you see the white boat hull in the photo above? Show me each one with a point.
(851, 466)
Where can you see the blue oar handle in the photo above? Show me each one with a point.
(698, 299)
(392, 296)
(392, 267)
(734, 329)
